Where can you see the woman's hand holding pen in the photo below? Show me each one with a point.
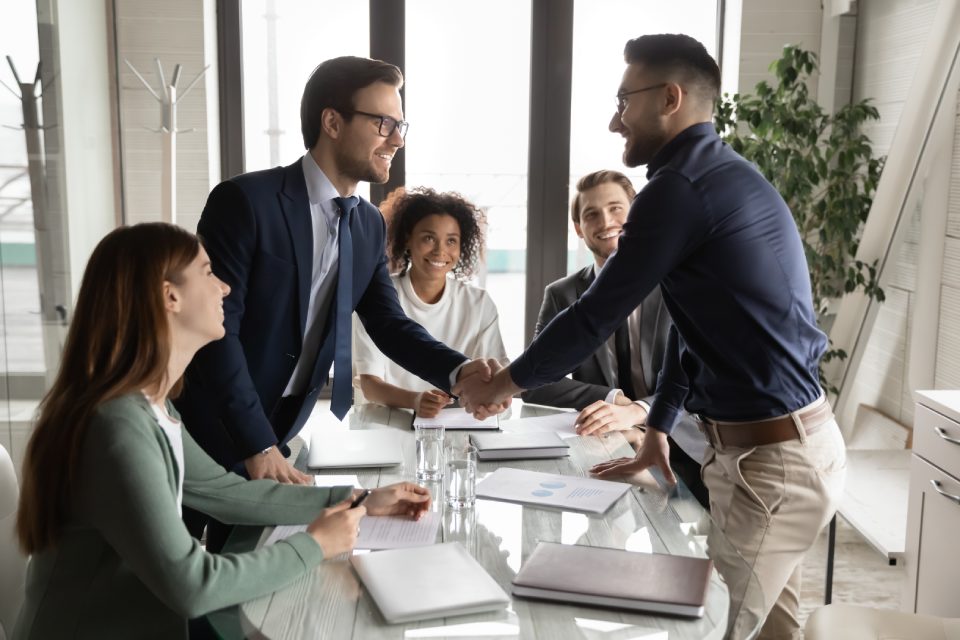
(402, 498)
(336, 528)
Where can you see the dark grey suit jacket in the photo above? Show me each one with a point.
(594, 378)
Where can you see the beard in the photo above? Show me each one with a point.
(360, 169)
(644, 146)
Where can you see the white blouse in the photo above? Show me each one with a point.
(173, 430)
(464, 318)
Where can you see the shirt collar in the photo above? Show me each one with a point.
(670, 149)
(319, 188)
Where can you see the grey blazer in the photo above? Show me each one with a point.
(594, 378)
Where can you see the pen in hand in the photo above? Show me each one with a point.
(360, 498)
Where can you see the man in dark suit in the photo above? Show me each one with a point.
(300, 254)
(613, 387)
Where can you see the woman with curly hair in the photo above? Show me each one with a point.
(435, 242)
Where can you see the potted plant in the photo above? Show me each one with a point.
(822, 165)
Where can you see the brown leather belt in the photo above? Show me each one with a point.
(771, 431)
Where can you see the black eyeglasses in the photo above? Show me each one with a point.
(387, 124)
(621, 96)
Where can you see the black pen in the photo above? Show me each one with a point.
(360, 498)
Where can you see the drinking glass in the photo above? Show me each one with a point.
(460, 476)
(429, 452)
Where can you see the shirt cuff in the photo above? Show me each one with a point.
(455, 373)
(612, 396)
(644, 404)
(662, 416)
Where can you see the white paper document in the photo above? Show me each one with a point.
(563, 424)
(551, 490)
(336, 481)
(396, 532)
(457, 418)
(379, 532)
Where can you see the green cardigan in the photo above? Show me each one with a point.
(125, 565)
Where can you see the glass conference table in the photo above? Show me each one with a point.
(331, 602)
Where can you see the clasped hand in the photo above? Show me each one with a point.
(484, 388)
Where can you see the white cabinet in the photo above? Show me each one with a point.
(933, 515)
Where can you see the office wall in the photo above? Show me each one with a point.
(768, 25)
(890, 39)
(176, 32)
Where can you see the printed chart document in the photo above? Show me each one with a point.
(379, 532)
(551, 490)
(561, 424)
(421, 583)
(457, 418)
(653, 582)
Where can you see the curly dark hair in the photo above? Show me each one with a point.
(404, 209)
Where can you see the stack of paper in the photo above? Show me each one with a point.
(551, 490)
(563, 424)
(653, 582)
(455, 418)
(428, 582)
(517, 446)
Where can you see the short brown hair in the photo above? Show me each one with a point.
(596, 179)
(333, 84)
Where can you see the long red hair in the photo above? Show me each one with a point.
(118, 343)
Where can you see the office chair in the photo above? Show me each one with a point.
(12, 563)
(861, 623)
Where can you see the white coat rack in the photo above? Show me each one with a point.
(168, 100)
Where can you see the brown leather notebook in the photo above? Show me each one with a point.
(649, 582)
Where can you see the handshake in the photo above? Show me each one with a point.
(484, 387)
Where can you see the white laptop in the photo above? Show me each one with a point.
(421, 583)
(337, 449)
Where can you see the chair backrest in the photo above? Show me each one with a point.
(12, 563)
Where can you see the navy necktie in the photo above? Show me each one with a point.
(342, 396)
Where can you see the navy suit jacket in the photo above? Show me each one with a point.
(257, 229)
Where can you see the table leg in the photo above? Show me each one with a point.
(831, 543)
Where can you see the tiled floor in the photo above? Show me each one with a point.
(861, 575)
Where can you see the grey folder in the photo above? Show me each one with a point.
(420, 583)
(519, 446)
(651, 582)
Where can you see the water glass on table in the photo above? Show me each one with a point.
(460, 476)
(429, 452)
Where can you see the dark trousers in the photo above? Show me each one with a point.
(688, 470)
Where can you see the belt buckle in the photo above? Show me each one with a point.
(709, 429)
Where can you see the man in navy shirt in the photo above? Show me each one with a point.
(745, 347)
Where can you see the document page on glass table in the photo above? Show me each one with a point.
(563, 424)
(551, 490)
(379, 532)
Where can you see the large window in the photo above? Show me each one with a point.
(282, 43)
(468, 97)
(22, 365)
(601, 28)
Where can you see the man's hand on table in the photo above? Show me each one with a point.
(602, 416)
(655, 451)
(273, 466)
(401, 498)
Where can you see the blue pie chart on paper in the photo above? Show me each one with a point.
(541, 493)
(553, 485)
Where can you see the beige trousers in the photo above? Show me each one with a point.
(770, 503)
